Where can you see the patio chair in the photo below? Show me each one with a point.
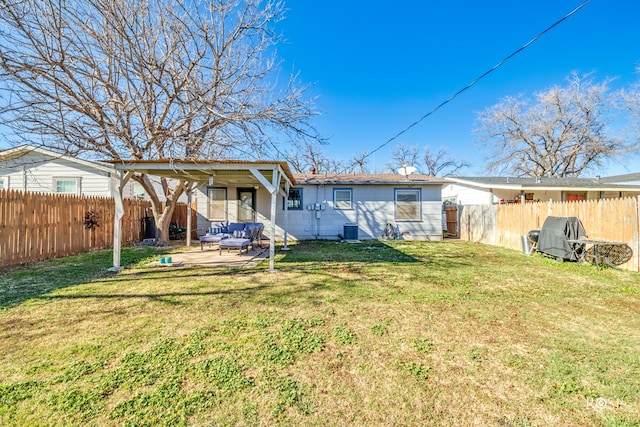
(217, 232)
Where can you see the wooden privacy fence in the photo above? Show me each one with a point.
(36, 226)
(504, 225)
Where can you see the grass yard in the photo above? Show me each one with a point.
(371, 334)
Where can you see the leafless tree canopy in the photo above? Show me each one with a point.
(560, 133)
(148, 79)
(308, 156)
(404, 155)
(438, 163)
(630, 101)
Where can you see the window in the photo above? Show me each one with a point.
(294, 202)
(342, 198)
(408, 205)
(66, 185)
(138, 191)
(4, 183)
(217, 198)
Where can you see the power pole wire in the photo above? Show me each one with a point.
(486, 73)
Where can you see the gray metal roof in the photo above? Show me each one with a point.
(544, 183)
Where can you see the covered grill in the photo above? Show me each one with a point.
(556, 236)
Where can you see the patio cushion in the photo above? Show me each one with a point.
(235, 226)
(234, 243)
(218, 227)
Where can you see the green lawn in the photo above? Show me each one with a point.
(371, 334)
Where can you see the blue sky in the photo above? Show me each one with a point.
(377, 67)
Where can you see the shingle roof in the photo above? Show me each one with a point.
(361, 179)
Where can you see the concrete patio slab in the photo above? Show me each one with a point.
(210, 257)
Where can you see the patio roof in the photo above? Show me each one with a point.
(224, 172)
(275, 176)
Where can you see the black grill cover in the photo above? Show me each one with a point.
(554, 234)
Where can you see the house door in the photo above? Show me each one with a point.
(451, 213)
(246, 205)
(575, 197)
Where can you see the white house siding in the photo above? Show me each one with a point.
(35, 172)
(372, 208)
(466, 195)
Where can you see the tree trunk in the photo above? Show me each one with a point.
(162, 211)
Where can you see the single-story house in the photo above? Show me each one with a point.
(319, 206)
(494, 190)
(359, 206)
(33, 169)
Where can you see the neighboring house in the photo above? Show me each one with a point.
(28, 168)
(493, 190)
(320, 206)
(627, 179)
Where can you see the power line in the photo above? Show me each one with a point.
(483, 75)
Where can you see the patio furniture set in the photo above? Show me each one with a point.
(235, 235)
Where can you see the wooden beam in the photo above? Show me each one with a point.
(117, 186)
(274, 204)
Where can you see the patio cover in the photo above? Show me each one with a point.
(275, 176)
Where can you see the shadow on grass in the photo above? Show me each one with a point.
(332, 251)
(431, 255)
(339, 262)
(154, 296)
(20, 284)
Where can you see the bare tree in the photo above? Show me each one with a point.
(306, 156)
(404, 155)
(441, 163)
(561, 132)
(630, 101)
(358, 163)
(148, 79)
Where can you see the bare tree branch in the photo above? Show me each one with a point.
(559, 133)
(441, 164)
(404, 155)
(148, 79)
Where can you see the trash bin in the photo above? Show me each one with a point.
(526, 246)
(351, 232)
(530, 242)
(149, 224)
